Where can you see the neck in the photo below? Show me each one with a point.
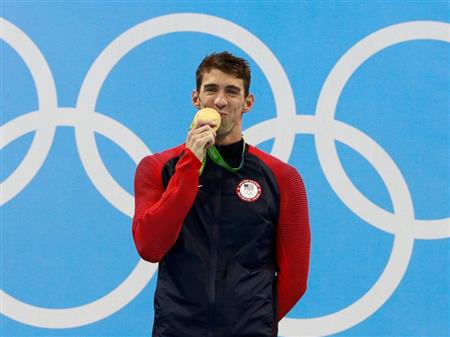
(228, 139)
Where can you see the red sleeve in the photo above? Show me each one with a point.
(159, 213)
(293, 241)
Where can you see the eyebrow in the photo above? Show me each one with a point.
(215, 86)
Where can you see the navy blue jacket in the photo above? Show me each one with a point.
(218, 278)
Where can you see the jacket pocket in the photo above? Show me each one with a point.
(251, 290)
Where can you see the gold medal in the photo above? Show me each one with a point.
(210, 116)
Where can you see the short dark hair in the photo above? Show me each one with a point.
(227, 63)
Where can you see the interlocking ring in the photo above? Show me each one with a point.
(283, 128)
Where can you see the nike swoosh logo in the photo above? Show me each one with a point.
(200, 186)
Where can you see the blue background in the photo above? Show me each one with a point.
(64, 245)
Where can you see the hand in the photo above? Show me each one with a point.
(200, 138)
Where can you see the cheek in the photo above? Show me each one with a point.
(208, 100)
(239, 108)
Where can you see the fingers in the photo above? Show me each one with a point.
(200, 122)
(200, 139)
(201, 129)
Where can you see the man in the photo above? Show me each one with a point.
(231, 235)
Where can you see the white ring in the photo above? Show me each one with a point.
(326, 107)
(111, 55)
(403, 243)
(47, 102)
(138, 278)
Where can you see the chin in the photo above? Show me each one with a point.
(222, 134)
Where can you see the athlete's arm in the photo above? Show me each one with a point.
(293, 242)
(159, 213)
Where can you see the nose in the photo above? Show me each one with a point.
(220, 100)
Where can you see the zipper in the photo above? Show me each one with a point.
(213, 264)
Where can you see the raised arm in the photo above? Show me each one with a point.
(159, 212)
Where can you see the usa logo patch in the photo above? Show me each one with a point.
(248, 190)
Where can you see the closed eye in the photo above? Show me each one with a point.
(233, 92)
(210, 88)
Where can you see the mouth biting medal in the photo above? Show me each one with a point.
(212, 117)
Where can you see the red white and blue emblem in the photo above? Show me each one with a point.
(248, 190)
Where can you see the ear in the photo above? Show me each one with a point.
(249, 101)
(195, 99)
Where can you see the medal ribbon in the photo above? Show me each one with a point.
(217, 158)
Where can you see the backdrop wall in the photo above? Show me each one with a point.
(354, 94)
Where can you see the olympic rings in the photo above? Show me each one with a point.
(322, 126)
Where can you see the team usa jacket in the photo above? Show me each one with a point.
(233, 248)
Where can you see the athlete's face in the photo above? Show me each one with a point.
(224, 93)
